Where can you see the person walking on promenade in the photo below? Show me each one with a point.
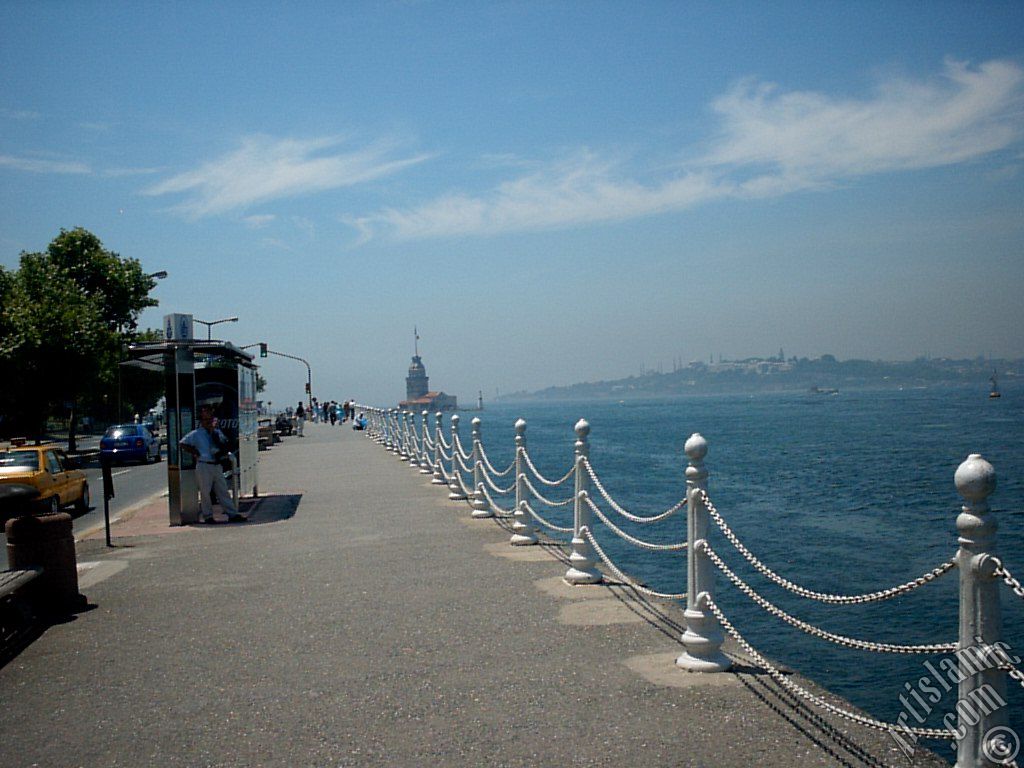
(332, 412)
(205, 442)
(300, 418)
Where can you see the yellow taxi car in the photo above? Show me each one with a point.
(46, 469)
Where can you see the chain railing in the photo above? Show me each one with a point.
(982, 574)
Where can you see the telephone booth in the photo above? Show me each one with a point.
(213, 373)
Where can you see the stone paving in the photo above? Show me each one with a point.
(361, 618)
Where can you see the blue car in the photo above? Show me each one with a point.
(129, 442)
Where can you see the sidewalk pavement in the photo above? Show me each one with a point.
(360, 618)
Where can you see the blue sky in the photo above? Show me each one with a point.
(551, 192)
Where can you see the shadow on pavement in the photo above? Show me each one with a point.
(265, 509)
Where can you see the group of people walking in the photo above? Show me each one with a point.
(327, 411)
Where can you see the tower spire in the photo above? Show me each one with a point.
(416, 341)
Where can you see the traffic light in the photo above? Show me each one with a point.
(263, 349)
(308, 390)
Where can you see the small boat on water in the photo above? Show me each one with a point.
(994, 392)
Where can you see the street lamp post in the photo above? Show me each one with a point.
(309, 371)
(210, 323)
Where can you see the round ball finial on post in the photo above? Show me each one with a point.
(696, 447)
(975, 478)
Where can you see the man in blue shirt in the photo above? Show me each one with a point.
(204, 443)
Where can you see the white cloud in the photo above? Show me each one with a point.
(580, 190)
(265, 169)
(769, 143)
(962, 115)
(42, 165)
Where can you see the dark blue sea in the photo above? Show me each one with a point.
(846, 493)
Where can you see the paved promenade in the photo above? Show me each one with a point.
(361, 618)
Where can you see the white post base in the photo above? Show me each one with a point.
(703, 642)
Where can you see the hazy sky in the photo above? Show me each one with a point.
(552, 192)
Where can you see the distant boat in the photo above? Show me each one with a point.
(824, 391)
(995, 387)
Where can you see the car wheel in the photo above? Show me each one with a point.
(82, 505)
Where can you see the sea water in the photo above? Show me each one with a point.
(846, 493)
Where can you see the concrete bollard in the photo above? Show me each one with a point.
(523, 531)
(47, 542)
(455, 485)
(481, 507)
(703, 636)
(981, 728)
(582, 569)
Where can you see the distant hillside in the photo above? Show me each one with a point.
(777, 374)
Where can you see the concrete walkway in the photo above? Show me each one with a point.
(363, 619)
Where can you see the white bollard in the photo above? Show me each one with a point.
(481, 507)
(983, 731)
(454, 484)
(414, 441)
(581, 569)
(703, 636)
(424, 452)
(438, 478)
(523, 531)
(404, 439)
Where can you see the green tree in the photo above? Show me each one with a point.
(65, 315)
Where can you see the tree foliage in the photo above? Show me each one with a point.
(65, 315)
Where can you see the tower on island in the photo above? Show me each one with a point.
(418, 396)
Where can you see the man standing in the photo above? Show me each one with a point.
(204, 443)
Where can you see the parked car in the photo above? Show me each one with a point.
(129, 442)
(47, 471)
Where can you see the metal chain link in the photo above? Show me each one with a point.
(622, 576)
(846, 642)
(1008, 578)
(461, 462)
(548, 502)
(445, 456)
(539, 476)
(622, 534)
(457, 442)
(444, 443)
(498, 511)
(545, 523)
(487, 463)
(870, 597)
(497, 488)
(629, 516)
(785, 682)
(1013, 673)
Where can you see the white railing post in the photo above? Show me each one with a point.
(404, 439)
(424, 451)
(455, 483)
(414, 440)
(438, 478)
(481, 507)
(392, 443)
(581, 561)
(523, 531)
(982, 730)
(703, 636)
